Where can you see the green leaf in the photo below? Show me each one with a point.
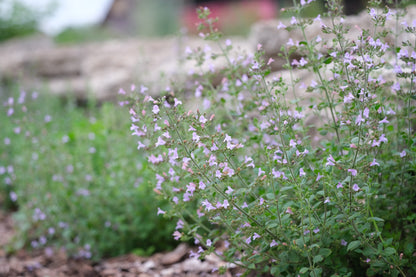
(318, 258)
(323, 132)
(303, 270)
(270, 196)
(286, 188)
(389, 251)
(328, 60)
(325, 252)
(376, 219)
(353, 245)
(272, 225)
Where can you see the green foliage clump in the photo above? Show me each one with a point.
(251, 180)
(17, 20)
(71, 175)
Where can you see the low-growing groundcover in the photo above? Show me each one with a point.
(72, 176)
(245, 177)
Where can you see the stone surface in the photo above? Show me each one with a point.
(100, 69)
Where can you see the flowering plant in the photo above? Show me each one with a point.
(253, 181)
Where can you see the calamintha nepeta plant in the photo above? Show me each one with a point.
(250, 181)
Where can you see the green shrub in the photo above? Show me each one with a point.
(74, 179)
(251, 181)
(17, 19)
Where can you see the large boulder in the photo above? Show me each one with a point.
(100, 69)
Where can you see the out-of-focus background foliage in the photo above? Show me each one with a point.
(146, 18)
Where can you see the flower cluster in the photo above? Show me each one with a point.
(245, 176)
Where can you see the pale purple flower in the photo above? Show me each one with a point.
(398, 69)
(48, 118)
(330, 161)
(143, 89)
(208, 205)
(214, 147)
(218, 174)
(293, 20)
(289, 210)
(395, 86)
(327, 200)
(225, 204)
(319, 177)
(202, 119)
(383, 121)
(374, 162)
(229, 190)
(301, 172)
(274, 243)
(177, 235)
(366, 112)
(353, 172)
(375, 143)
(160, 211)
(348, 98)
(188, 50)
(281, 26)
(155, 109)
(160, 142)
(177, 102)
(195, 137)
(278, 174)
(343, 242)
(402, 154)
(383, 138)
(10, 111)
(316, 230)
(248, 240)
(190, 188)
(179, 224)
(355, 187)
(390, 111)
(209, 243)
(359, 119)
(202, 185)
(249, 161)
(256, 236)
(175, 199)
(13, 196)
(302, 62)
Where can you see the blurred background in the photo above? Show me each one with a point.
(77, 20)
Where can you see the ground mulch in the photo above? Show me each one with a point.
(44, 263)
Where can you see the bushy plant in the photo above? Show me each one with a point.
(249, 180)
(72, 176)
(18, 19)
